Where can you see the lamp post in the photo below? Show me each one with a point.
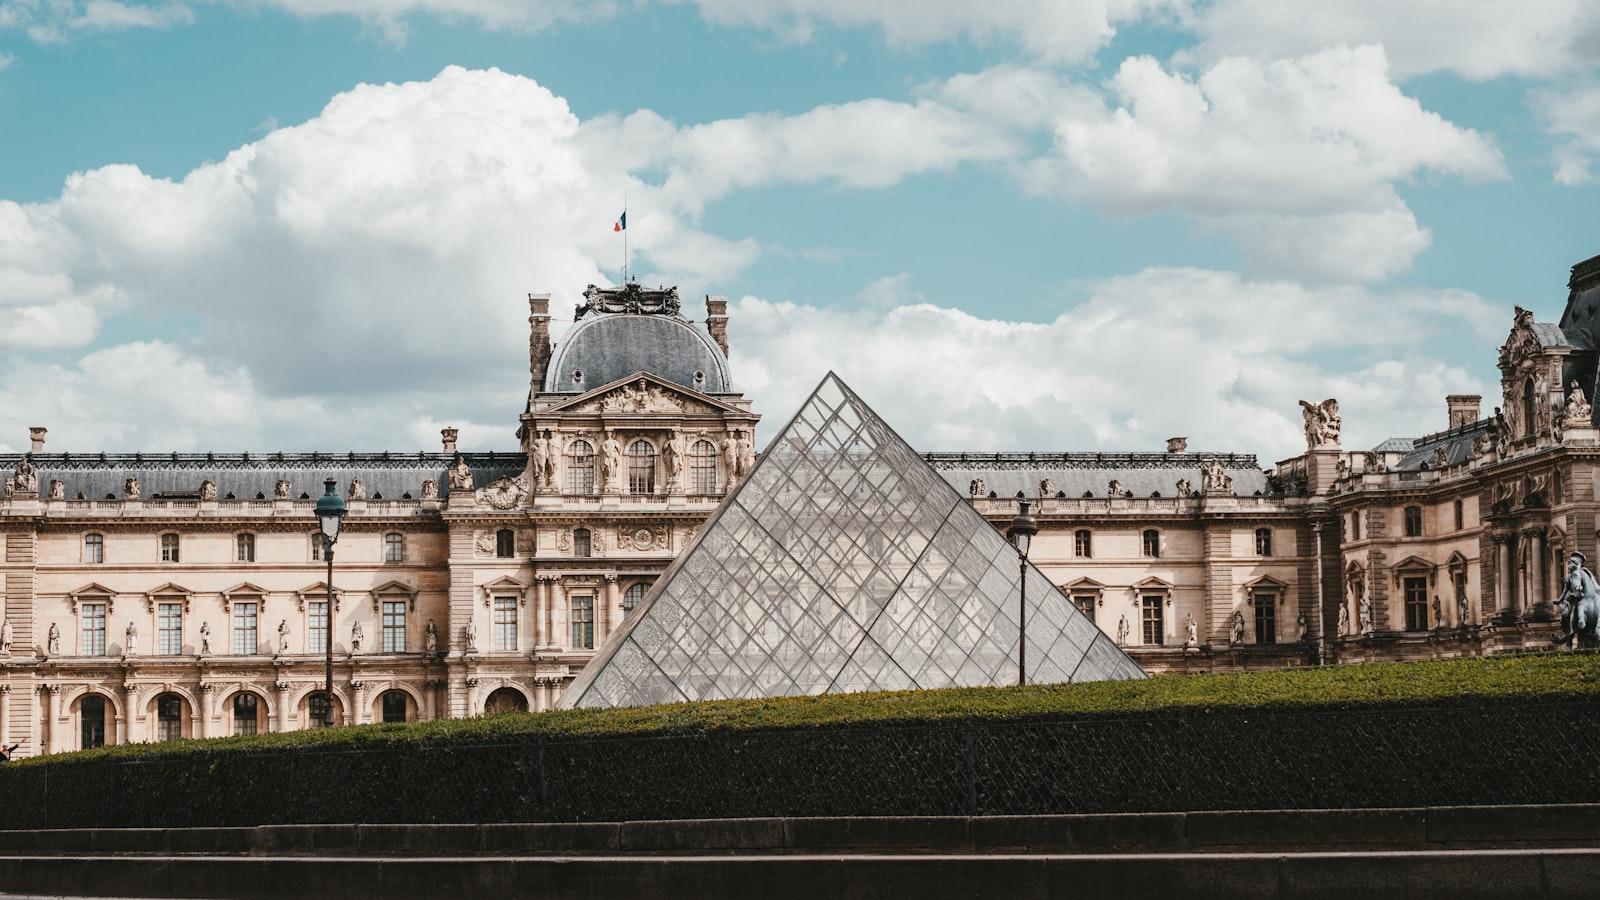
(1020, 534)
(330, 515)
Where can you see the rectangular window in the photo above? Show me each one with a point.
(1085, 604)
(169, 548)
(505, 623)
(394, 547)
(1152, 620)
(317, 626)
(1461, 515)
(1263, 541)
(169, 629)
(1413, 521)
(1355, 526)
(1266, 618)
(244, 546)
(1416, 589)
(93, 617)
(316, 546)
(1152, 543)
(94, 548)
(1082, 545)
(581, 614)
(394, 626)
(244, 629)
(580, 543)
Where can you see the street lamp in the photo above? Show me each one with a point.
(1020, 534)
(330, 515)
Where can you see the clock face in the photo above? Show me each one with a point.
(643, 537)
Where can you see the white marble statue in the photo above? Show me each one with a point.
(1122, 631)
(131, 640)
(1191, 630)
(53, 642)
(1344, 621)
(283, 636)
(430, 639)
(1366, 616)
(357, 636)
(1236, 633)
(205, 638)
(5, 637)
(611, 453)
(471, 632)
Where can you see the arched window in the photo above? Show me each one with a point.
(394, 706)
(1083, 543)
(505, 700)
(641, 468)
(1413, 521)
(92, 717)
(244, 547)
(634, 594)
(169, 547)
(1263, 541)
(580, 543)
(246, 708)
(169, 717)
(394, 547)
(702, 468)
(1152, 543)
(505, 543)
(94, 548)
(1529, 407)
(318, 711)
(580, 467)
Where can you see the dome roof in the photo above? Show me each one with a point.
(602, 349)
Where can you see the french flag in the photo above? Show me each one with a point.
(622, 222)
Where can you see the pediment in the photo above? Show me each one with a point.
(245, 588)
(1265, 581)
(1152, 583)
(395, 587)
(93, 589)
(641, 394)
(1084, 583)
(169, 590)
(505, 583)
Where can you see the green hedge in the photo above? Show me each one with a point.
(1460, 731)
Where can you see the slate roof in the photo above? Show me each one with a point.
(388, 476)
(612, 346)
(1456, 442)
(1076, 474)
(1395, 445)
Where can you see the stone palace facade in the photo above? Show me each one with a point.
(151, 596)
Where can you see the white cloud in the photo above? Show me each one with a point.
(1478, 39)
(1297, 160)
(7, 60)
(1165, 351)
(1573, 117)
(52, 21)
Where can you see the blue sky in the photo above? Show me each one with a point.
(1006, 227)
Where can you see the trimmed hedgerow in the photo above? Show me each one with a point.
(1455, 731)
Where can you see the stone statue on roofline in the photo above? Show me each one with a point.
(208, 490)
(1322, 424)
(25, 480)
(130, 489)
(460, 474)
(1214, 480)
(58, 491)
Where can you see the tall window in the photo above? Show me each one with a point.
(169, 717)
(1266, 617)
(394, 547)
(169, 629)
(1416, 590)
(1263, 541)
(1355, 525)
(169, 547)
(1152, 543)
(633, 595)
(580, 468)
(244, 629)
(1461, 593)
(244, 713)
(1461, 515)
(244, 548)
(394, 706)
(394, 626)
(1413, 521)
(1152, 621)
(317, 626)
(317, 707)
(702, 468)
(94, 548)
(505, 543)
(641, 468)
(316, 546)
(505, 623)
(581, 614)
(1085, 604)
(92, 718)
(1083, 543)
(93, 618)
(580, 542)
(1530, 406)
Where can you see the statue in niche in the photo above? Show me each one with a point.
(1191, 631)
(53, 641)
(470, 631)
(205, 638)
(1322, 423)
(357, 636)
(1541, 401)
(747, 454)
(1461, 608)
(208, 490)
(1305, 628)
(5, 637)
(672, 452)
(430, 489)
(1122, 631)
(1580, 606)
(1344, 620)
(358, 489)
(1236, 632)
(280, 491)
(130, 639)
(730, 457)
(283, 636)
(539, 455)
(1438, 612)
(549, 460)
(1367, 626)
(430, 639)
(130, 488)
(460, 474)
(58, 491)
(611, 453)
(25, 480)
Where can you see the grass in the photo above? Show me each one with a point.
(1545, 677)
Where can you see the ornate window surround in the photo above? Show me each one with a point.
(391, 591)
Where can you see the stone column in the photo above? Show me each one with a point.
(5, 715)
(361, 715)
(282, 703)
(553, 589)
(53, 737)
(126, 727)
(1541, 608)
(608, 599)
(1507, 580)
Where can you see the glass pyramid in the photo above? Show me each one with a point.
(842, 562)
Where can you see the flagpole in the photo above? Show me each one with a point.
(625, 240)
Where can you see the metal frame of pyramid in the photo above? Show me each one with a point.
(842, 562)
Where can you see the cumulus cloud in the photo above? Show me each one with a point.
(1209, 354)
(1573, 117)
(1477, 39)
(1297, 159)
(53, 21)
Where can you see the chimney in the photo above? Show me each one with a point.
(1464, 409)
(538, 338)
(36, 435)
(717, 319)
(1177, 445)
(449, 435)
